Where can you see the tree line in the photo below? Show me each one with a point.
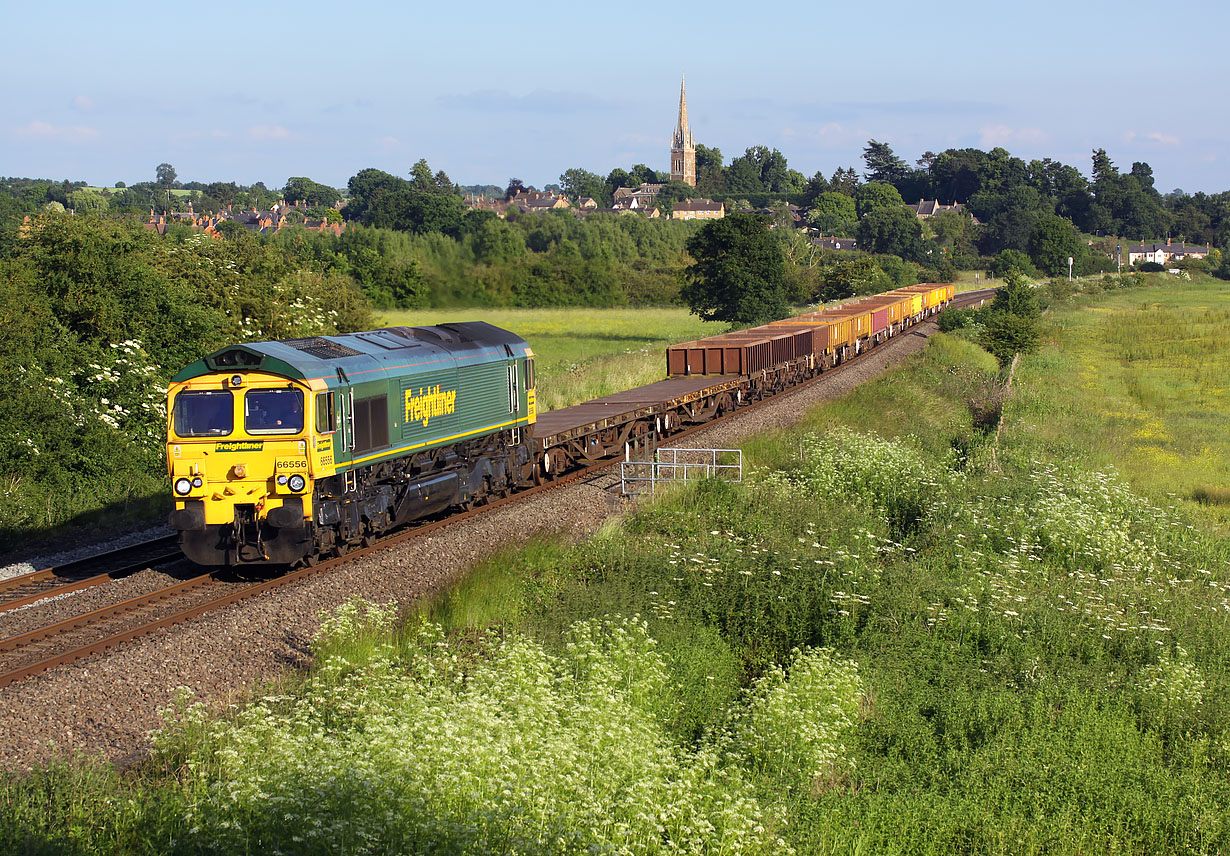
(1028, 215)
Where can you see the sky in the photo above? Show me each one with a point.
(488, 91)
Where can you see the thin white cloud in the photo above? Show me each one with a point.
(537, 102)
(269, 132)
(84, 103)
(1153, 136)
(1164, 139)
(630, 139)
(991, 136)
(39, 130)
(835, 135)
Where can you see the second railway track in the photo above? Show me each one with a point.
(86, 573)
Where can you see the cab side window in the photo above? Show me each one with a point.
(326, 420)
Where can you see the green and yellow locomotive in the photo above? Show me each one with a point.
(283, 452)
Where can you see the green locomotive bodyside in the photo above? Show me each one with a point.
(400, 390)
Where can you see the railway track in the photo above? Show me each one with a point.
(83, 636)
(86, 573)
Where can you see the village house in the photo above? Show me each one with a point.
(1166, 253)
(259, 222)
(927, 208)
(544, 203)
(835, 243)
(698, 209)
(526, 201)
(642, 196)
(650, 213)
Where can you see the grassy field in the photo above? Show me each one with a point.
(94, 189)
(970, 280)
(880, 642)
(1140, 382)
(583, 353)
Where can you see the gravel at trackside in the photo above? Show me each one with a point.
(107, 705)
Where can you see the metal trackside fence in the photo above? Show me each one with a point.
(679, 465)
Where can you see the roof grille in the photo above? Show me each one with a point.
(321, 347)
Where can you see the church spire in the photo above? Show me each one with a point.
(683, 147)
(683, 133)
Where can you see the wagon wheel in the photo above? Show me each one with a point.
(553, 464)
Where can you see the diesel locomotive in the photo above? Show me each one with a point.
(282, 452)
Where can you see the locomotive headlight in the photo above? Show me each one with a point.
(296, 483)
(183, 486)
(236, 380)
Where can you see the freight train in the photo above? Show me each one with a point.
(284, 452)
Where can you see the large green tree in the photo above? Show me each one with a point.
(833, 214)
(1011, 323)
(579, 182)
(882, 165)
(892, 231)
(1054, 242)
(844, 181)
(763, 170)
(303, 189)
(164, 174)
(739, 274)
(710, 176)
(875, 195)
(425, 204)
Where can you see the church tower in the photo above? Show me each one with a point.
(683, 147)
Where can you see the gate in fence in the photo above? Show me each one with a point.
(679, 465)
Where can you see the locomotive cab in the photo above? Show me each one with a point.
(241, 454)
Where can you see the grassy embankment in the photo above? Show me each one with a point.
(1025, 661)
